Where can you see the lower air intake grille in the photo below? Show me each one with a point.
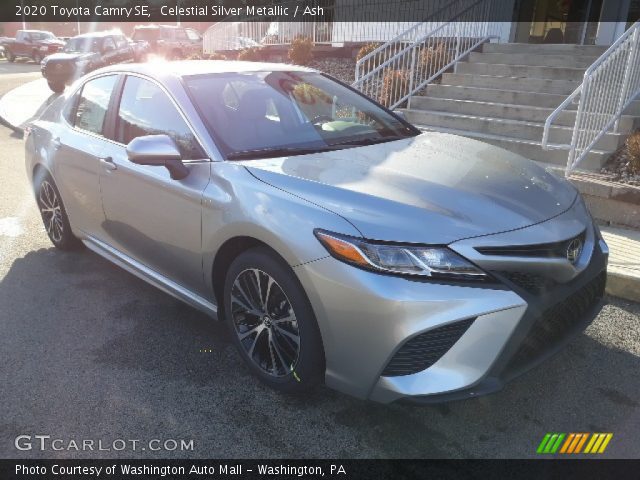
(531, 282)
(425, 349)
(557, 322)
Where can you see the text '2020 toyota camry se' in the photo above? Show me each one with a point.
(339, 243)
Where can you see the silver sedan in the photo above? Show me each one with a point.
(339, 243)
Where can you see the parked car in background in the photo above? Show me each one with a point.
(33, 44)
(338, 242)
(195, 39)
(2, 50)
(83, 54)
(169, 41)
(141, 49)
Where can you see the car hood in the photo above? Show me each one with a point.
(70, 57)
(433, 188)
(52, 42)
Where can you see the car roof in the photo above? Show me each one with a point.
(98, 34)
(199, 67)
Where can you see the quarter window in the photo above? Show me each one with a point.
(93, 103)
(147, 110)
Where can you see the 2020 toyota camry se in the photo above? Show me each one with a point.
(340, 244)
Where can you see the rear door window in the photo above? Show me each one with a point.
(93, 103)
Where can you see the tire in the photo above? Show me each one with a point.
(10, 56)
(54, 216)
(56, 87)
(37, 57)
(176, 54)
(271, 350)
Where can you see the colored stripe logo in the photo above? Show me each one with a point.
(573, 443)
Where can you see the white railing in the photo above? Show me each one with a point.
(609, 85)
(401, 67)
(335, 26)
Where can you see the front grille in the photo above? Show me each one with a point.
(423, 350)
(557, 322)
(538, 250)
(530, 282)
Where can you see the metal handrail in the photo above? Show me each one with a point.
(394, 71)
(609, 85)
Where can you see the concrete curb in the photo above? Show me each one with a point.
(622, 284)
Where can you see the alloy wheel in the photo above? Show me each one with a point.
(51, 211)
(265, 322)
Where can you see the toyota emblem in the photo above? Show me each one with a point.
(574, 250)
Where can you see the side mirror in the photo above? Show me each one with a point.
(160, 151)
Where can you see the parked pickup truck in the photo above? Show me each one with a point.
(33, 44)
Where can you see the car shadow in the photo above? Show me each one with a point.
(73, 322)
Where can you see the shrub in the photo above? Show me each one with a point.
(300, 52)
(633, 151)
(395, 84)
(215, 56)
(366, 50)
(205, 56)
(433, 58)
(251, 54)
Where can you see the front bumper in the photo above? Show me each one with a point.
(365, 318)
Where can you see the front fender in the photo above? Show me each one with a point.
(236, 204)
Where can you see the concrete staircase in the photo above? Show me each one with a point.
(503, 95)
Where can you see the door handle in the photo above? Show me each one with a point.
(108, 164)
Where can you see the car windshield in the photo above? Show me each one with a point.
(83, 44)
(39, 36)
(263, 114)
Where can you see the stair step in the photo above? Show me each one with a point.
(535, 85)
(546, 100)
(526, 71)
(529, 149)
(463, 92)
(504, 111)
(544, 48)
(571, 61)
(508, 128)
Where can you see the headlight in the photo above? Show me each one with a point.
(423, 261)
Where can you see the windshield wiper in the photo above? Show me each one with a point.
(278, 152)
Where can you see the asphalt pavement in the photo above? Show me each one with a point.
(90, 352)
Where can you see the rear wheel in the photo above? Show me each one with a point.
(54, 215)
(57, 87)
(272, 322)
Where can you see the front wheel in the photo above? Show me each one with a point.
(54, 215)
(272, 322)
(10, 56)
(37, 57)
